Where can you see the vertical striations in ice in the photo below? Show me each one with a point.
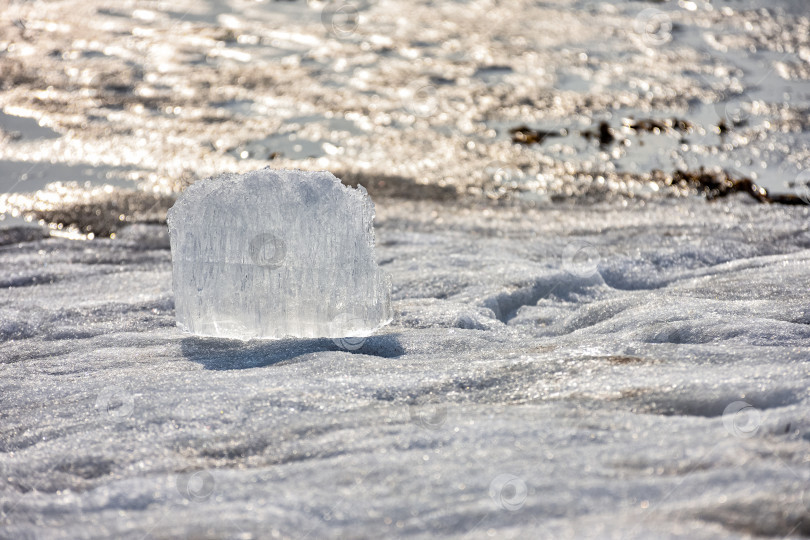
(276, 253)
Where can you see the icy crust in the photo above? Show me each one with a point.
(276, 253)
(652, 385)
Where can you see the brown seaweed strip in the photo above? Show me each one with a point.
(715, 185)
(526, 135)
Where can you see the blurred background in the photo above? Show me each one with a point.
(108, 110)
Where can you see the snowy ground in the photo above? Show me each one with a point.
(159, 94)
(625, 371)
(580, 348)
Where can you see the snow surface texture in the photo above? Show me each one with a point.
(571, 372)
(276, 253)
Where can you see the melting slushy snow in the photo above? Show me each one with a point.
(627, 372)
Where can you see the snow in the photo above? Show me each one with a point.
(276, 253)
(515, 394)
(594, 366)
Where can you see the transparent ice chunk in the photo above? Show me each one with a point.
(276, 253)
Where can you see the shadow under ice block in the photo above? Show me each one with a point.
(276, 253)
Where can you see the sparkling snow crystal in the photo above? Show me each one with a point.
(276, 253)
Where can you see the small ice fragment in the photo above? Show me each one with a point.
(276, 253)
